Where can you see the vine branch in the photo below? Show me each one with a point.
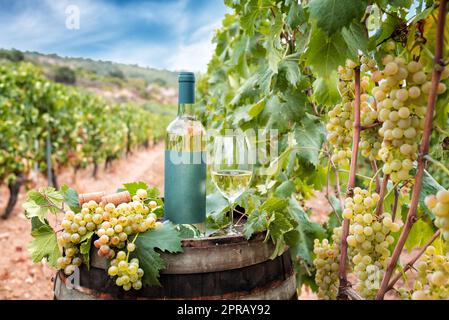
(423, 150)
(383, 192)
(344, 284)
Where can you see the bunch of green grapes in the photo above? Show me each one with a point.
(122, 221)
(370, 142)
(369, 240)
(341, 119)
(326, 262)
(340, 125)
(128, 274)
(75, 226)
(401, 95)
(439, 205)
(113, 226)
(432, 276)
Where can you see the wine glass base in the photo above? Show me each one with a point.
(232, 231)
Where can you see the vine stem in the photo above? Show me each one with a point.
(423, 150)
(376, 171)
(410, 264)
(394, 207)
(344, 284)
(383, 192)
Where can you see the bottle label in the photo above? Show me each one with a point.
(185, 187)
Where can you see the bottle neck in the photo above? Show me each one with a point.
(186, 110)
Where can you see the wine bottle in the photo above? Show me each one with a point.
(185, 165)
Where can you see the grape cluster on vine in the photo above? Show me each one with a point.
(432, 276)
(369, 240)
(326, 262)
(401, 94)
(439, 205)
(113, 225)
(341, 118)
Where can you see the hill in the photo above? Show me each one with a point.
(116, 81)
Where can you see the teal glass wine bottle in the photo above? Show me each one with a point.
(185, 163)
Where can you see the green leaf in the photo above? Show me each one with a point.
(274, 48)
(292, 72)
(421, 233)
(257, 222)
(44, 245)
(164, 238)
(187, 231)
(256, 108)
(32, 209)
(248, 19)
(40, 202)
(308, 231)
(85, 248)
(285, 189)
(333, 15)
(132, 187)
(309, 136)
(326, 53)
(325, 90)
(274, 204)
(295, 15)
(356, 37)
(71, 198)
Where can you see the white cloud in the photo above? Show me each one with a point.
(102, 36)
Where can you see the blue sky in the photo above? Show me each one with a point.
(171, 34)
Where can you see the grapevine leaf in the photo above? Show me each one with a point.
(356, 37)
(164, 238)
(85, 248)
(248, 19)
(326, 53)
(274, 56)
(216, 204)
(257, 222)
(295, 15)
(291, 71)
(132, 187)
(285, 189)
(39, 203)
(44, 245)
(71, 198)
(187, 231)
(325, 90)
(274, 204)
(278, 226)
(32, 209)
(309, 136)
(420, 233)
(333, 15)
(308, 231)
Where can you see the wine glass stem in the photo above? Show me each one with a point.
(231, 229)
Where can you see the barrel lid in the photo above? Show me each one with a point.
(186, 76)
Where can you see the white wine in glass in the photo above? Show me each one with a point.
(232, 169)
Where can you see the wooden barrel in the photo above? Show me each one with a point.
(212, 268)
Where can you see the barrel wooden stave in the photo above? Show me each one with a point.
(253, 277)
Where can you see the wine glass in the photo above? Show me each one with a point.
(232, 169)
